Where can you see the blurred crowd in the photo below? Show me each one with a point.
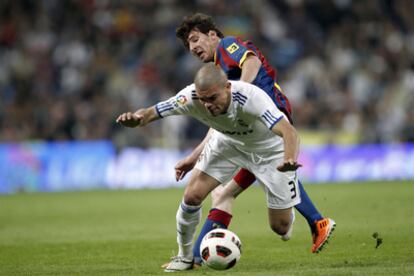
(69, 67)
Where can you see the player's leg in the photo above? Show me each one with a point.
(321, 227)
(281, 220)
(222, 200)
(282, 194)
(188, 216)
(280, 203)
(307, 209)
(211, 170)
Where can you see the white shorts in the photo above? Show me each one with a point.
(222, 160)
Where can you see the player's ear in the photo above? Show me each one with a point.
(213, 34)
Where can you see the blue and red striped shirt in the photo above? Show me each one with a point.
(230, 55)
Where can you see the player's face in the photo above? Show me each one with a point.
(202, 45)
(216, 99)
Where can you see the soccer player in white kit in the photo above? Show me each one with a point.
(250, 132)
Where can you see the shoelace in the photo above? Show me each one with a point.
(179, 259)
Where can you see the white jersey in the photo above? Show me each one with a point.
(247, 123)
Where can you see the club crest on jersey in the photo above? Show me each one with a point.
(181, 100)
(232, 48)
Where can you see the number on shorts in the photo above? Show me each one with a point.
(293, 189)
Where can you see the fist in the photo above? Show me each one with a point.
(129, 119)
(289, 166)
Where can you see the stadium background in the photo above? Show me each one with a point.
(68, 68)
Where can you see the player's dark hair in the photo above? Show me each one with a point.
(201, 22)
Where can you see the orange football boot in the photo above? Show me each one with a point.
(324, 229)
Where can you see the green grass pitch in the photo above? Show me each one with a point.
(133, 233)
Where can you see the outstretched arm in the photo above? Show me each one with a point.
(141, 117)
(291, 143)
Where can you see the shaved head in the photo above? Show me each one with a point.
(213, 89)
(208, 76)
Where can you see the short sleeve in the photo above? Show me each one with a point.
(180, 104)
(264, 108)
(271, 118)
(234, 50)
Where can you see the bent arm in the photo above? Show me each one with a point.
(250, 68)
(291, 144)
(187, 164)
(197, 151)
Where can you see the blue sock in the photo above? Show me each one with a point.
(215, 219)
(307, 209)
(207, 227)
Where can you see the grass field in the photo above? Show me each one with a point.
(133, 233)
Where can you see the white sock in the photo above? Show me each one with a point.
(292, 220)
(188, 217)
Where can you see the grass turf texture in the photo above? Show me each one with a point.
(133, 233)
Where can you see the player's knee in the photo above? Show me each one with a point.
(193, 198)
(280, 227)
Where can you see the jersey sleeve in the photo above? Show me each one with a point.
(233, 50)
(180, 104)
(264, 109)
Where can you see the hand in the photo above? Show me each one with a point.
(129, 119)
(289, 165)
(183, 167)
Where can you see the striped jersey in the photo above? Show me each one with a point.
(247, 123)
(230, 55)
